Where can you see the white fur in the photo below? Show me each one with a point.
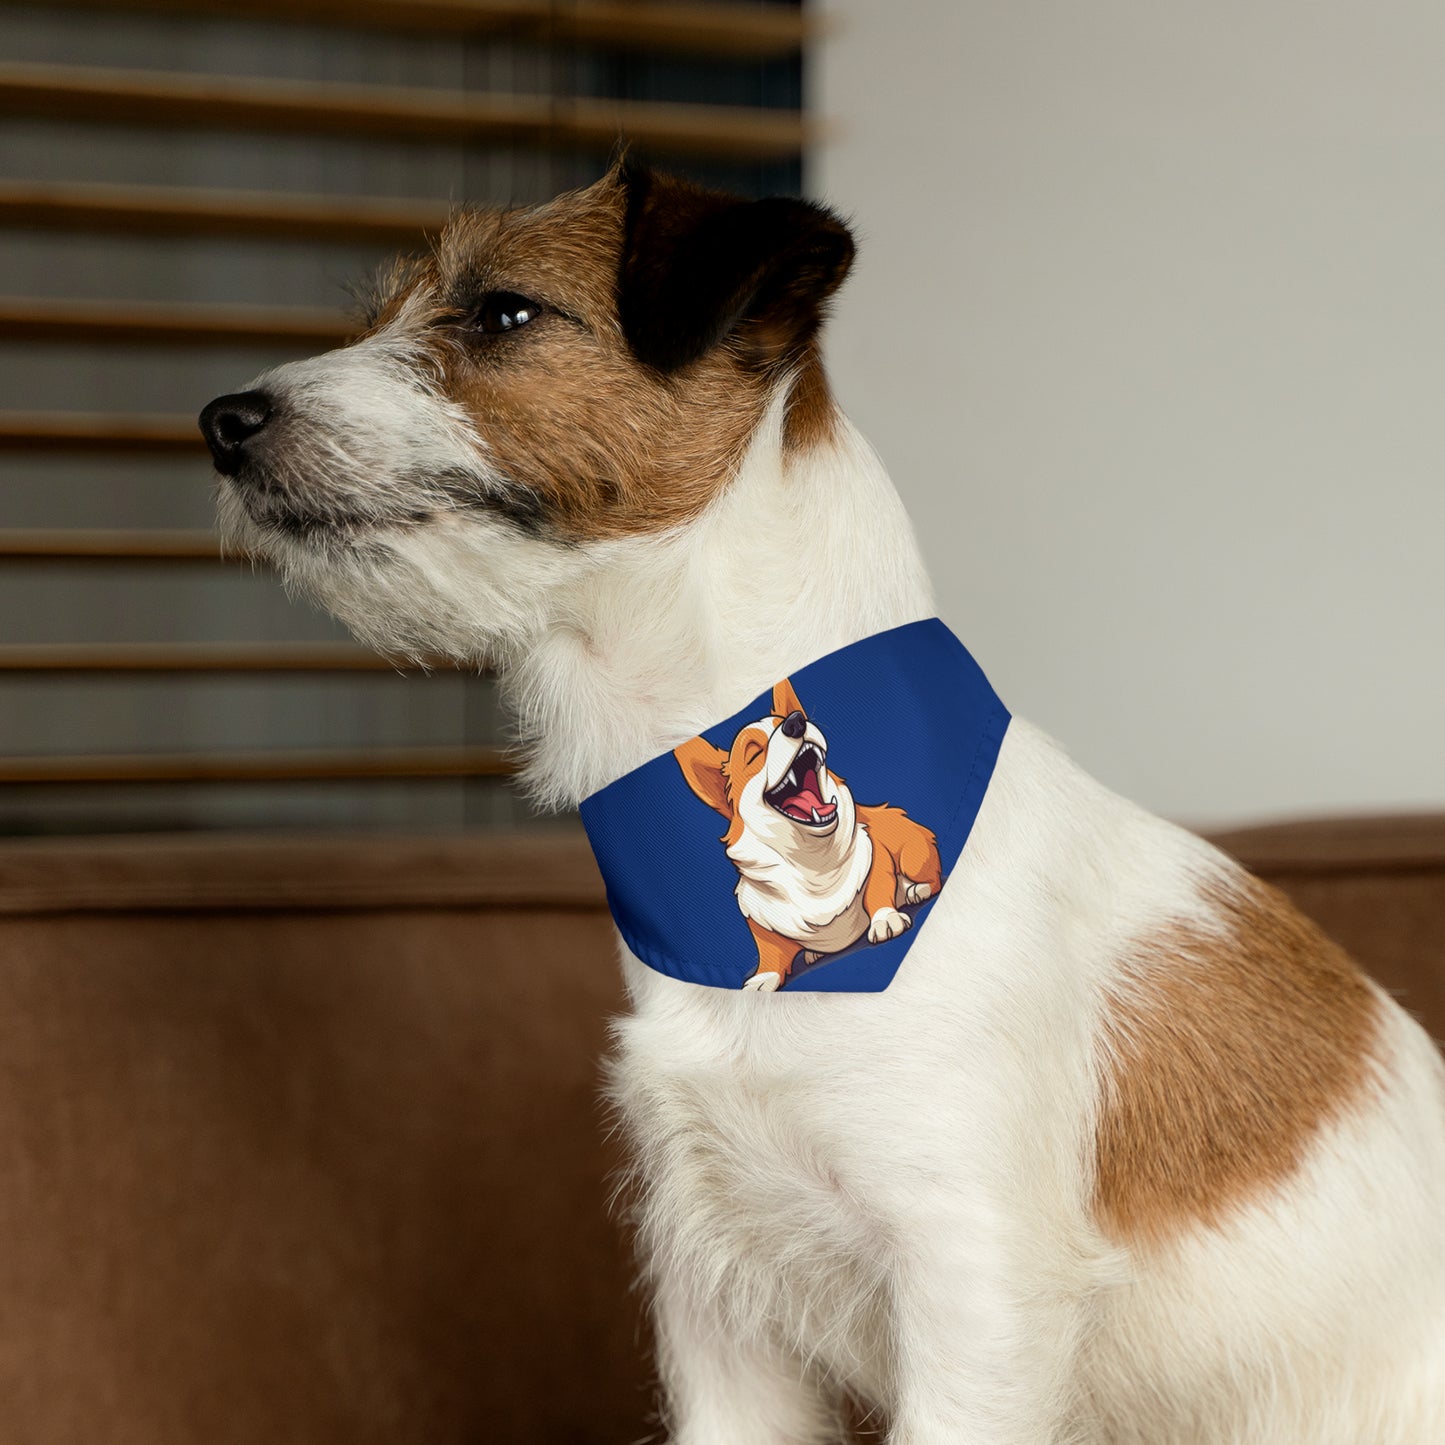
(890, 1193)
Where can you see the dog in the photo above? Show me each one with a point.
(816, 872)
(1127, 1153)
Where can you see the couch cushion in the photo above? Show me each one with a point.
(303, 1143)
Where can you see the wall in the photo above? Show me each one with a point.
(1149, 323)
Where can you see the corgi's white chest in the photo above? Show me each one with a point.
(821, 907)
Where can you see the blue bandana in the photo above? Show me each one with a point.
(743, 860)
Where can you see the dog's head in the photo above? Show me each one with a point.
(546, 382)
(773, 786)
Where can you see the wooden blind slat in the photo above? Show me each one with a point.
(175, 210)
(217, 102)
(755, 32)
(707, 29)
(79, 431)
(259, 767)
(167, 657)
(170, 323)
(76, 544)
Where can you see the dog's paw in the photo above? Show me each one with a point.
(810, 958)
(762, 983)
(917, 893)
(888, 923)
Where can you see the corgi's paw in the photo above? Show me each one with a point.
(810, 958)
(917, 893)
(888, 923)
(762, 983)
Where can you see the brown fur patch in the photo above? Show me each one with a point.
(812, 413)
(1225, 1055)
(607, 446)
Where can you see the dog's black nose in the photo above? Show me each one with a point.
(229, 422)
(794, 725)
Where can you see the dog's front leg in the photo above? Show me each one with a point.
(985, 1350)
(880, 896)
(723, 1387)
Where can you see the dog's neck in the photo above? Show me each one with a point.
(664, 636)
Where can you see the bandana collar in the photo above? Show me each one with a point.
(821, 880)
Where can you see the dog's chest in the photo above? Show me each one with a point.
(822, 908)
(752, 1192)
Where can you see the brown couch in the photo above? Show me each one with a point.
(301, 1139)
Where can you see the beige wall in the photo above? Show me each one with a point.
(1149, 323)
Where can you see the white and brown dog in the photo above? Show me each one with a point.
(1127, 1152)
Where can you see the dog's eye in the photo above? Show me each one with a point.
(752, 752)
(504, 311)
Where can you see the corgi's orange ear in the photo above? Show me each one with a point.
(785, 700)
(702, 767)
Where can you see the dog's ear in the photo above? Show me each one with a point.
(701, 266)
(702, 768)
(785, 700)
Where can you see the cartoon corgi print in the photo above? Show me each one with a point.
(817, 872)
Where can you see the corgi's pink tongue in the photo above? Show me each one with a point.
(807, 803)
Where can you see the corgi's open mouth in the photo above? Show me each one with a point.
(800, 795)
